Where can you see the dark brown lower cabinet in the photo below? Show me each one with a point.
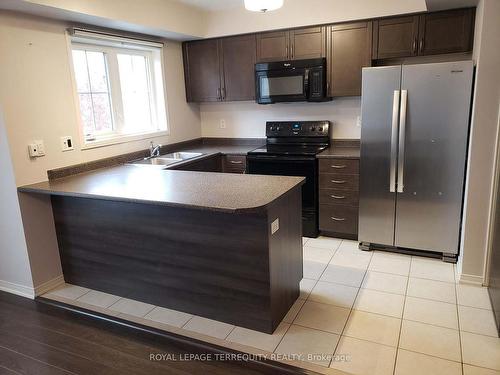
(210, 164)
(339, 197)
(234, 163)
(349, 49)
(224, 266)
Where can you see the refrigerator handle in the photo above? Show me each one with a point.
(402, 136)
(394, 141)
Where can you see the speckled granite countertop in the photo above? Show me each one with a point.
(213, 191)
(340, 152)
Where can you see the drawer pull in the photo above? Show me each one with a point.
(337, 218)
(338, 166)
(338, 181)
(337, 196)
(235, 162)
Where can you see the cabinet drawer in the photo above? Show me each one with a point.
(235, 163)
(336, 196)
(346, 166)
(340, 181)
(338, 218)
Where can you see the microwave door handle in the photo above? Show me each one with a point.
(306, 83)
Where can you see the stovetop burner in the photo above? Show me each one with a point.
(295, 138)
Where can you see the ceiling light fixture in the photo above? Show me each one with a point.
(263, 5)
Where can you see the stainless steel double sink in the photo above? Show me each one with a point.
(167, 159)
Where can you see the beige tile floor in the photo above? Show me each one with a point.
(358, 312)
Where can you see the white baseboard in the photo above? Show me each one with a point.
(470, 279)
(49, 285)
(20, 290)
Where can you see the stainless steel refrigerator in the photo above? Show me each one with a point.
(414, 135)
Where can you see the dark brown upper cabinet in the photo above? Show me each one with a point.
(446, 32)
(202, 70)
(220, 69)
(272, 46)
(349, 49)
(307, 43)
(395, 37)
(238, 60)
(295, 44)
(427, 34)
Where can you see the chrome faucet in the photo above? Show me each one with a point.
(154, 151)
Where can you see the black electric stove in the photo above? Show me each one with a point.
(290, 150)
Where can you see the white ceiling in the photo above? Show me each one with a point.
(213, 5)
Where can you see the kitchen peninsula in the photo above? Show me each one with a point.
(223, 246)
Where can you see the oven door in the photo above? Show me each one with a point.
(293, 166)
(287, 85)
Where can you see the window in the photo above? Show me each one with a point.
(119, 85)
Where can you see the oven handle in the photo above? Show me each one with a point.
(280, 158)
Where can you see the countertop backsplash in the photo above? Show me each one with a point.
(248, 119)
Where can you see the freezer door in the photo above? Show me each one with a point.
(379, 132)
(431, 178)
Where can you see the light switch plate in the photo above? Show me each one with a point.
(275, 226)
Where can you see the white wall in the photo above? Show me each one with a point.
(300, 12)
(36, 93)
(484, 129)
(166, 18)
(248, 119)
(38, 101)
(15, 275)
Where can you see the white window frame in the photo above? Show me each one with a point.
(112, 45)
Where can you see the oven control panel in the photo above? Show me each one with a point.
(297, 128)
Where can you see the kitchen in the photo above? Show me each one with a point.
(81, 206)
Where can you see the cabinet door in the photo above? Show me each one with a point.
(349, 50)
(446, 32)
(202, 70)
(238, 59)
(395, 37)
(272, 46)
(307, 43)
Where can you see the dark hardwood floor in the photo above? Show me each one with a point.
(37, 338)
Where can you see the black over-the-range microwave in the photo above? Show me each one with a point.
(291, 81)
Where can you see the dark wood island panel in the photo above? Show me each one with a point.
(224, 266)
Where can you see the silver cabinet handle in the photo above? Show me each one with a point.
(286, 52)
(338, 181)
(394, 142)
(337, 166)
(337, 196)
(337, 218)
(402, 136)
(291, 52)
(223, 93)
(421, 45)
(218, 94)
(235, 162)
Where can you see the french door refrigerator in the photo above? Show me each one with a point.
(414, 135)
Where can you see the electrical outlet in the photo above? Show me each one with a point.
(36, 149)
(358, 121)
(67, 143)
(222, 124)
(275, 226)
